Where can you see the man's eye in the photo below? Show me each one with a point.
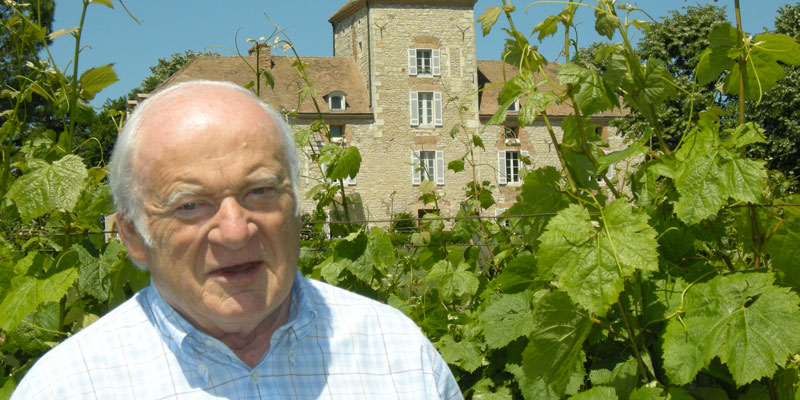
(188, 206)
(261, 190)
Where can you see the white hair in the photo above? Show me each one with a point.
(121, 173)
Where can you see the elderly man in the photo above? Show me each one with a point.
(204, 177)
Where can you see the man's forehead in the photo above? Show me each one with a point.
(188, 111)
(203, 117)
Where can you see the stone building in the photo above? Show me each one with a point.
(404, 73)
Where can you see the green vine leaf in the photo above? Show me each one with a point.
(597, 393)
(28, 293)
(507, 318)
(591, 259)
(784, 250)
(764, 64)
(558, 332)
(50, 187)
(591, 92)
(539, 194)
(622, 378)
(94, 80)
(464, 353)
(743, 319)
(458, 283)
(715, 60)
(605, 22)
(482, 391)
(708, 174)
(548, 27)
(93, 271)
(489, 18)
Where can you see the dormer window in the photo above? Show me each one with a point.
(336, 101)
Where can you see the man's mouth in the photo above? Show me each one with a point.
(239, 271)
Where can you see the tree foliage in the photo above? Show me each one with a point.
(778, 112)
(679, 40)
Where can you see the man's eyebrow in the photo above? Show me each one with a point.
(177, 195)
(263, 177)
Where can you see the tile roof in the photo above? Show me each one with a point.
(491, 71)
(326, 74)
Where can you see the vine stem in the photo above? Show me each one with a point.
(632, 338)
(585, 147)
(73, 94)
(572, 185)
(755, 234)
(742, 60)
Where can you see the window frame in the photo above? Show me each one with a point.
(339, 95)
(503, 167)
(416, 106)
(340, 138)
(435, 62)
(418, 169)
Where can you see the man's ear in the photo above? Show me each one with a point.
(137, 249)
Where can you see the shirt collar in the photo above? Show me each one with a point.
(190, 344)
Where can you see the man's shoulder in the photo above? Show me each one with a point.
(93, 348)
(343, 306)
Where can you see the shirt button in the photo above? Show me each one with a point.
(254, 376)
(208, 343)
(201, 368)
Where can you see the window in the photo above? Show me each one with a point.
(514, 107)
(610, 172)
(337, 133)
(498, 212)
(511, 135)
(424, 62)
(425, 108)
(336, 101)
(509, 166)
(427, 165)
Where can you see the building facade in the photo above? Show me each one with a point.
(403, 78)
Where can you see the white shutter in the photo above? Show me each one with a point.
(413, 101)
(437, 64)
(439, 170)
(437, 108)
(522, 163)
(412, 62)
(501, 167)
(610, 172)
(416, 174)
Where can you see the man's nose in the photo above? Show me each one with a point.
(232, 227)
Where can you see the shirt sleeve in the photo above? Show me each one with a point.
(446, 385)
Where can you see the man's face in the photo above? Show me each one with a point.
(214, 184)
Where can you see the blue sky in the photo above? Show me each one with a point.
(174, 26)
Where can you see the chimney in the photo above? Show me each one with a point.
(264, 53)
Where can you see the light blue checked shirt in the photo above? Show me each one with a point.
(336, 345)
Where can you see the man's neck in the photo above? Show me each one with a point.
(252, 346)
